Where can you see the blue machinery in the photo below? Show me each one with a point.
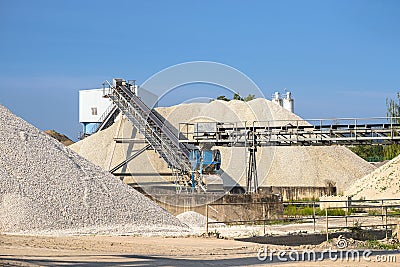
(204, 162)
(191, 166)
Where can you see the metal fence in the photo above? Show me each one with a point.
(337, 214)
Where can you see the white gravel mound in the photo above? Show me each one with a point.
(46, 188)
(194, 219)
(382, 183)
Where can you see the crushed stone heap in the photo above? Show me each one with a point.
(195, 220)
(46, 188)
(192, 219)
(382, 183)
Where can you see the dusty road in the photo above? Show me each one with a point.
(148, 251)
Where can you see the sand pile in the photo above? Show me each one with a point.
(384, 182)
(60, 137)
(46, 188)
(277, 166)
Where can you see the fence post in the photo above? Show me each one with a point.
(207, 219)
(263, 209)
(327, 225)
(386, 223)
(314, 214)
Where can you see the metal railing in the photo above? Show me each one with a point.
(384, 209)
(103, 119)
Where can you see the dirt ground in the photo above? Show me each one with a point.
(147, 251)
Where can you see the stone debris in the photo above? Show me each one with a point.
(382, 183)
(196, 220)
(46, 188)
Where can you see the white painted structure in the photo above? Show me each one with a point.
(287, 101)
(92, 106)
(276, 98)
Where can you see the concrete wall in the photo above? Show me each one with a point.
(234, 207)
(289, 193)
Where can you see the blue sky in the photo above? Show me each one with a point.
(339, 58)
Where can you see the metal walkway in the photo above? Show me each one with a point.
(160, 135)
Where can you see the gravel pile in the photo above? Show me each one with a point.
(277, 166)
(46, 188)
(194, 219)
(384, 182)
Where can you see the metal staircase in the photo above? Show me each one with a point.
(107, 119)
(161, 136)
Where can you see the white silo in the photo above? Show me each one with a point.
(276, 98)
(288, 102)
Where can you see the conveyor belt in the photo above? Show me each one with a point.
(161, 136)
(261, 133)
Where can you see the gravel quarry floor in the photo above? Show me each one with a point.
(36, 251)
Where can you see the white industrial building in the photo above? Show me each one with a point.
(287, 101)
(93, 106)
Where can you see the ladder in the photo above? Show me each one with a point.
(160, 135)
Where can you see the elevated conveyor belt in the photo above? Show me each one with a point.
(161, 136)
(294, 132)
(290, 133)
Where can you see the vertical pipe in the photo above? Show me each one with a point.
(245, 148)
(193, 181)
(355, 129)
(320, 129)
(200, 178)
(391, 128)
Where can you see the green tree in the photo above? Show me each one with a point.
(382, 152)
(224, 98)
(391, 151)
(249, 98)
(393, 110)
(236, 96)
(372, 153)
